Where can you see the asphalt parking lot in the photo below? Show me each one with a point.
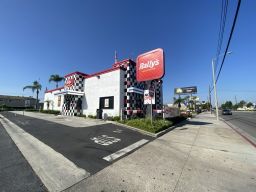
(91, 148)
(15, 172)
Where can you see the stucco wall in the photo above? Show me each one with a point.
(53, 101)
(107, 84)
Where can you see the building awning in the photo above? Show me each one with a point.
(135, 90)
(69, 92)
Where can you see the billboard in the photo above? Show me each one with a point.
(150, 65)
(185, 90)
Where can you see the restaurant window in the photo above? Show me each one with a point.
(59, 101)
(107, 102)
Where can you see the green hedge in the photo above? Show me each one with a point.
(145, 124)
(158, 124)
(50, 112)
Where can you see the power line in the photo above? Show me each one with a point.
(222, 29)
(224, 6)
(230, 37)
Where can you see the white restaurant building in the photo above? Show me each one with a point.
(112, 90)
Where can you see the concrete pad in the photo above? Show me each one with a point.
(204, 155)
(154, 167)
(55, 171)
(71, 121)
(214, 170)
(183, 135)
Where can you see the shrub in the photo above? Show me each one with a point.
(32, 110)
(82, 116)
(92, 116)
(116, 118)
(50, 112)
(145, 124)
(158, 124)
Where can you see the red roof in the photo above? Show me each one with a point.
(102, 72)
(76, 72)
(123, 61)
(49, 91)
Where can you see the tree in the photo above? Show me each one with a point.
(206, 106)
(36, 86)
(242, 103)
(56, 78)
(227, 105)
(180, 100)
(249, 104)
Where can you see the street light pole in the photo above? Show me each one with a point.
(214, 85)
(215, 91)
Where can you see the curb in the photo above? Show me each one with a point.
(241, 132)
(156, 135)
(133, 128)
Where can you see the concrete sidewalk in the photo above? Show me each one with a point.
(203, 155)
(71, 121)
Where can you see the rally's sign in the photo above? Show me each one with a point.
(150, 65)
(69, 82)
(149, 97)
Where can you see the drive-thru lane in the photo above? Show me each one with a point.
(15, 172)
(88, 147)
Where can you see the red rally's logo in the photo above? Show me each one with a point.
(69, 82)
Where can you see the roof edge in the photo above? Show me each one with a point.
(49, 91)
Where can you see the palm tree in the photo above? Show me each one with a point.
(180, 100)
(36, 86)
(56, 78)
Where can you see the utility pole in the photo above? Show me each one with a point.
(210, 100)
(215, 91)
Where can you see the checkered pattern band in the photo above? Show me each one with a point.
(134, 102)
(70, 106)
(78, 84)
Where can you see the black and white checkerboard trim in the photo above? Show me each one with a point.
(71, 100)
(69, 107)
(78, 83)
(134, 102)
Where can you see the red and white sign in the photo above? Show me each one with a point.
(150, 65)
(69, 82)
(149, 97)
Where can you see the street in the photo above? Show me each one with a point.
(244, 120)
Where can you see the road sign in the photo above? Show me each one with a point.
(148, 96)
(150, 65)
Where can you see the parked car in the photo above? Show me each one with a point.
(226, 112)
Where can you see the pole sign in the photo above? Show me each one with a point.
(185, 90)
(148, 96)
(150, 65)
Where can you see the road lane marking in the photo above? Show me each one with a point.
(125, 150)
(55, 171)
(105, 140)
(118, 131)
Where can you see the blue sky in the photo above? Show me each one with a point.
(44, 37)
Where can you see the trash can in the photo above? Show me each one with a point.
(99, 113)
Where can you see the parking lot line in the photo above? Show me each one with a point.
(125, 150)
(55, 170)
